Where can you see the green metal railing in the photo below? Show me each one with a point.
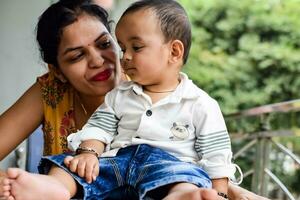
(263, 142)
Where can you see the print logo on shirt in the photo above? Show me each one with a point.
(180, 131)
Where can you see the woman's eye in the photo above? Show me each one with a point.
(104, 45)
(76, 57)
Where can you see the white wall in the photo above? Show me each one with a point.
(20, 63)
(19, 58)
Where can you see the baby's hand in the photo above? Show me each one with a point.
(86, 165)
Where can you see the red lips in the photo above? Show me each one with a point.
(102, 76)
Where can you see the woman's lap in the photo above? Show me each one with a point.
(135, 171)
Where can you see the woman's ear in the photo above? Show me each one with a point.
(177, 50)
(57, 73)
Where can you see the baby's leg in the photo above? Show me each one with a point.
(188, 191)
(20, 184)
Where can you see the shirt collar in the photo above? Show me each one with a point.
(128, 85)
(185, 90)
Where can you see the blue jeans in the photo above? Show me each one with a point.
(133, 172)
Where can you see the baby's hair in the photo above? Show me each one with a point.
(173, 20)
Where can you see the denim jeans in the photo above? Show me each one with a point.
(133, 172)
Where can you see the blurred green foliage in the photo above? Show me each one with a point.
(245, 53)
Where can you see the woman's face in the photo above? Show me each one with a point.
(87, 56)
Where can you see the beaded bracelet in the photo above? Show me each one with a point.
(80, 150)
(223, 195)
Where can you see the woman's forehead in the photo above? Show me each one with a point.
(85, 30)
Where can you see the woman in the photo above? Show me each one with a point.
(63, 99)
(83, 67)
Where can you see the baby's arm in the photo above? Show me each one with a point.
(86, 163)
(89, 143)
(213, 145)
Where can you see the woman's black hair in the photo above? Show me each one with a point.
(58, 16)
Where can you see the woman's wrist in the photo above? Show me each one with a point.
(225, 196)
(221, 186)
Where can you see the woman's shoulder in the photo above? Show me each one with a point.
(53, 90)
(43, 78)
(49, 79)
(59, 120)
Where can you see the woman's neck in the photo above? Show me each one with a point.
(84, 107)
(90, 103)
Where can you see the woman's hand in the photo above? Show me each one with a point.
(237, 193)
(86, 165)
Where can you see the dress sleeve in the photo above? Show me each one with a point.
(58, 121)
(212, 140)
(101, 126)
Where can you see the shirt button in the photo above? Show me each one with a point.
(148, 113)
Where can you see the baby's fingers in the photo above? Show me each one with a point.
(73, 165)
(95, 171)
(68, 160)
(88, 175)
(81, 168)
(92, 171)
(89, 172)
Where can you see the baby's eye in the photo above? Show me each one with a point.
(137, 48)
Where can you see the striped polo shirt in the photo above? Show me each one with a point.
(188, 124)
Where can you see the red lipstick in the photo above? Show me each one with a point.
(102, 76)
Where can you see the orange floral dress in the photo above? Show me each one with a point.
(59, 121)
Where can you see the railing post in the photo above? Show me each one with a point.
(256, 179)
(266, 165)
(260, 179)
(262, 137)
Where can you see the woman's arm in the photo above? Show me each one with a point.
(20, 120)
(221, 185)
(237, 192)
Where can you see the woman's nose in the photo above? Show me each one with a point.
(96, 59)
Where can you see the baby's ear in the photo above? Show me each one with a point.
(57, 73)
(177, 50)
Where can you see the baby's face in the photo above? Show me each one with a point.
(145, 52)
